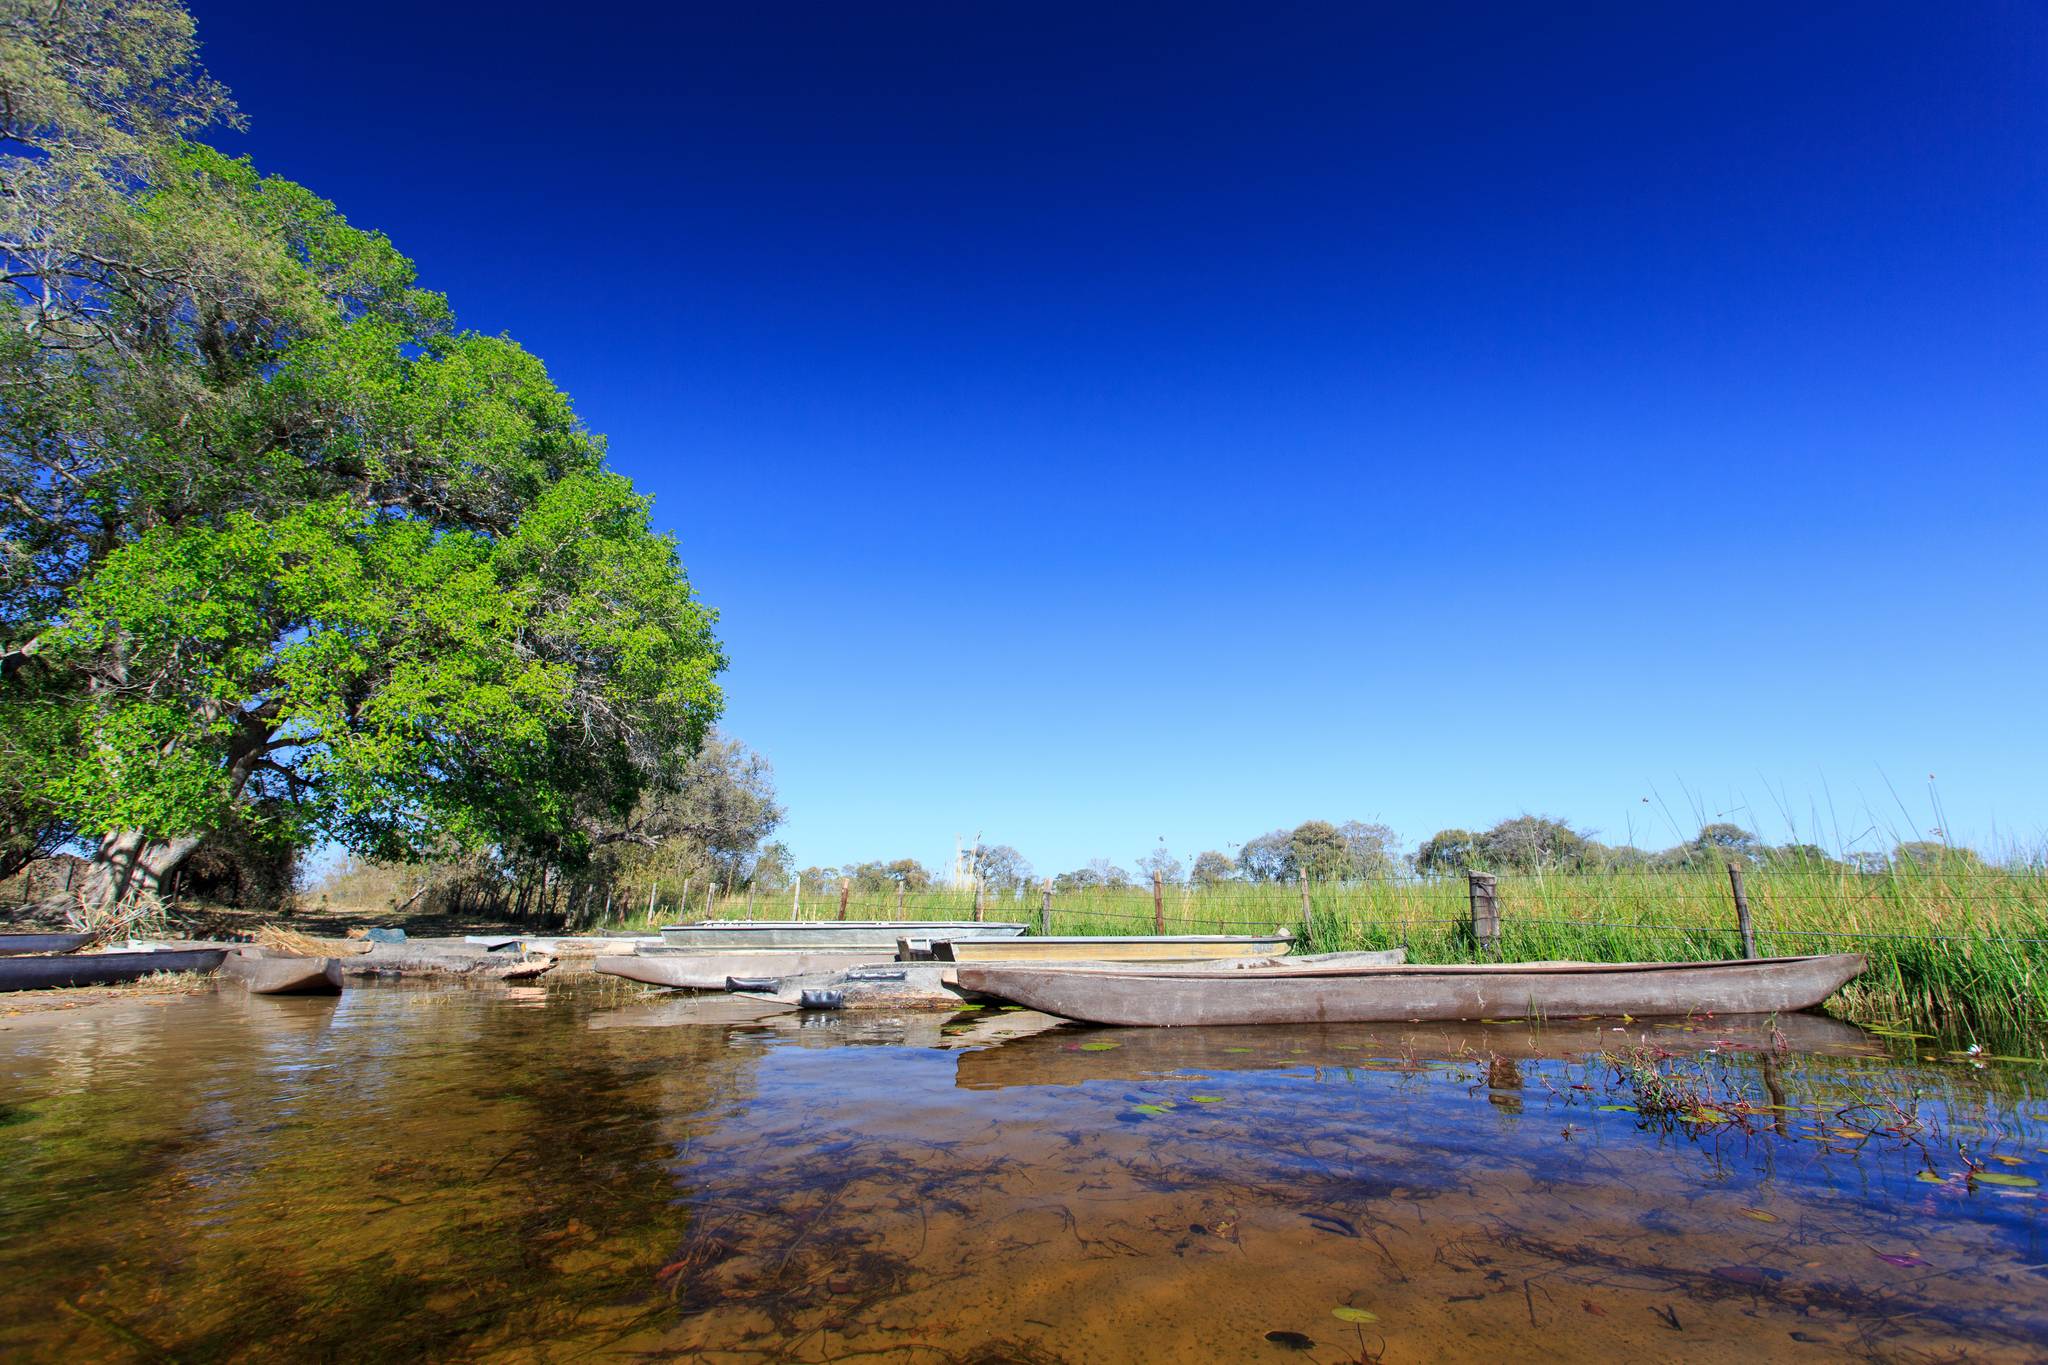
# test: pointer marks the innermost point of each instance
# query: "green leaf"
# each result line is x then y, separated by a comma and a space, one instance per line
1347, 1314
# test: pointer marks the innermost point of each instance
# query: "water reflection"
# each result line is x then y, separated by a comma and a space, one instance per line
465, 1173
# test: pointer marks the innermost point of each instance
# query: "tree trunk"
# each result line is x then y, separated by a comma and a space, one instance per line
129, 867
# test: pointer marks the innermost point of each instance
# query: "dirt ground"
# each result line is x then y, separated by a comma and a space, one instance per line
197, 920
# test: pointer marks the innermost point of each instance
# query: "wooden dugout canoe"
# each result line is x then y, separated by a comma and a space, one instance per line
829, 935
17, 944
1113, 948
708, 971
881, 986
1522, 990
101, 969
14, 945
280, 974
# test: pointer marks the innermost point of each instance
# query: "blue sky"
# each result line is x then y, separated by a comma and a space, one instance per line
1098, 424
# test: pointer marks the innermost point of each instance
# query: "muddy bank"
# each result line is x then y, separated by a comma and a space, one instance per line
167, 988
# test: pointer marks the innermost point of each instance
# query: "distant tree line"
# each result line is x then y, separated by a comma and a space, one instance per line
1324, 851
1538, 843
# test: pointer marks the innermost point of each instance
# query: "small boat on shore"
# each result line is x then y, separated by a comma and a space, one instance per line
1112, 947
871, 934
15, 945
1371, 957
881, 986
707, 971
280, 974
1349, 994
101, 969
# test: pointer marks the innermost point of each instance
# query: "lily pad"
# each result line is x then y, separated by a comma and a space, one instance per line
1345, 1313
1930, 1178
2017, 1182
1618, 1109
1148, 1109
1206, 1099
1100, 1047
1246, 1049
1760, 1215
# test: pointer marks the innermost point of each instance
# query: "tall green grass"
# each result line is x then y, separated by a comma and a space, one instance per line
1960, 949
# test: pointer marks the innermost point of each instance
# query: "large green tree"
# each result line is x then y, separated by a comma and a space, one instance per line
279, 544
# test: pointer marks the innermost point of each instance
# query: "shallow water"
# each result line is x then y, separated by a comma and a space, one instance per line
553, 1174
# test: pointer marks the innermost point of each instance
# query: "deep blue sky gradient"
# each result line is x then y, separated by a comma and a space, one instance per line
1098, 423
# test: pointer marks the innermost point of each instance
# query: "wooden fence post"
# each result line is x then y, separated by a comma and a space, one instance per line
1485, 909
1307, 915
1045, 909
977, 900
1742, 911
1158, 903
796, 898
899, 899
652, 892
607, 907
750, 901
845, 890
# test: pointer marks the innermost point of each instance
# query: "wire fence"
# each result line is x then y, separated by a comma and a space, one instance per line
2007, 908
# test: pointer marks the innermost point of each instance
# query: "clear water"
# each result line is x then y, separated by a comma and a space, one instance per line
571, 1173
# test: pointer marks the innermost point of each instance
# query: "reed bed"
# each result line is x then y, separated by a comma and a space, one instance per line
1960, 949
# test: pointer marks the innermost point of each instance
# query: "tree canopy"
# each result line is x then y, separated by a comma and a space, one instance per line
1161, 864
283, 547
1000, 867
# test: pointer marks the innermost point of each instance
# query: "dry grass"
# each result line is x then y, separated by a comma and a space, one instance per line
156, 988
278, 938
